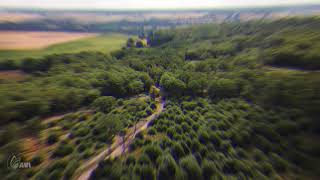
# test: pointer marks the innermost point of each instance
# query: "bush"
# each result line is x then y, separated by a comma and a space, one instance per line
152, 131
56, 174
70, 169
36, 160
144, 160
130, 160
153, 151
147, 173
280, 164
104, 104
63, 150
286, 128
191, 168
203, 137
208, 169
177, 151
168, 168
52, 138
223, 88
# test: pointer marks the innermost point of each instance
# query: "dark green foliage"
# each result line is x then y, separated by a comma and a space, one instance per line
130, 43
52, 138
153, 152
223, 88
63, 150
147, 173
36, 160
208, 169
104, 104
190, 168
279, 163
177, 151
70, 169
160, 37
168, 168
171, 84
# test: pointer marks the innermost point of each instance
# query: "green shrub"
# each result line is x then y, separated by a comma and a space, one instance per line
208, 169
153, 151
203, 137
177, 151
152, 131
63, 150
144, 160
52, 138
168, 169
223, 88
147, 173
280, 164
36, 160
104, 104
70, 169
130, 160
286, 128
56, 174
191, 168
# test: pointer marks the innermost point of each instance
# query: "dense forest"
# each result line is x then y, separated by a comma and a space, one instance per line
242, 102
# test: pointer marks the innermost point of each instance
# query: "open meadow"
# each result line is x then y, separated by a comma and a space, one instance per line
38, 44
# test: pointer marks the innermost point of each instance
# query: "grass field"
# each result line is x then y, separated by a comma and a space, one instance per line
102, 43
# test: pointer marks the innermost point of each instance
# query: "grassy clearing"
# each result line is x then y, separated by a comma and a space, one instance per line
102, 43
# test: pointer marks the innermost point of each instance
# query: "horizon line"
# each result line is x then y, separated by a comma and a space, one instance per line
158, 9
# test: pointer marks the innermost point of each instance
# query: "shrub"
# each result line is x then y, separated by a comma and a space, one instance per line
177, 151
286, 128
279, 163
36, 160
153, 151
148, 111
191, 168
152, 131
223, 88
168, 168
70, 169
203, 137
130, 160
104, 104
147, 173
63, 150
144, 160
56, 174
208, 169
52, 138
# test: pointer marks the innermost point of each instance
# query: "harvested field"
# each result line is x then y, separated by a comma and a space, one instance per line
20, 40
101, 43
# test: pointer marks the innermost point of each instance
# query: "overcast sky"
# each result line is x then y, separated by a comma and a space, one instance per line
147, 4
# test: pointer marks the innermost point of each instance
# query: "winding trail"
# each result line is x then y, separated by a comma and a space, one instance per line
119, 146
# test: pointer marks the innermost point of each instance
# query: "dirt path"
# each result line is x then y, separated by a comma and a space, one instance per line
118, 147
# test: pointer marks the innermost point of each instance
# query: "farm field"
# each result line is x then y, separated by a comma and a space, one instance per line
56, 43
21, 40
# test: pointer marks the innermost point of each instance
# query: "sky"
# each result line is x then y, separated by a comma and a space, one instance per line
148, 4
